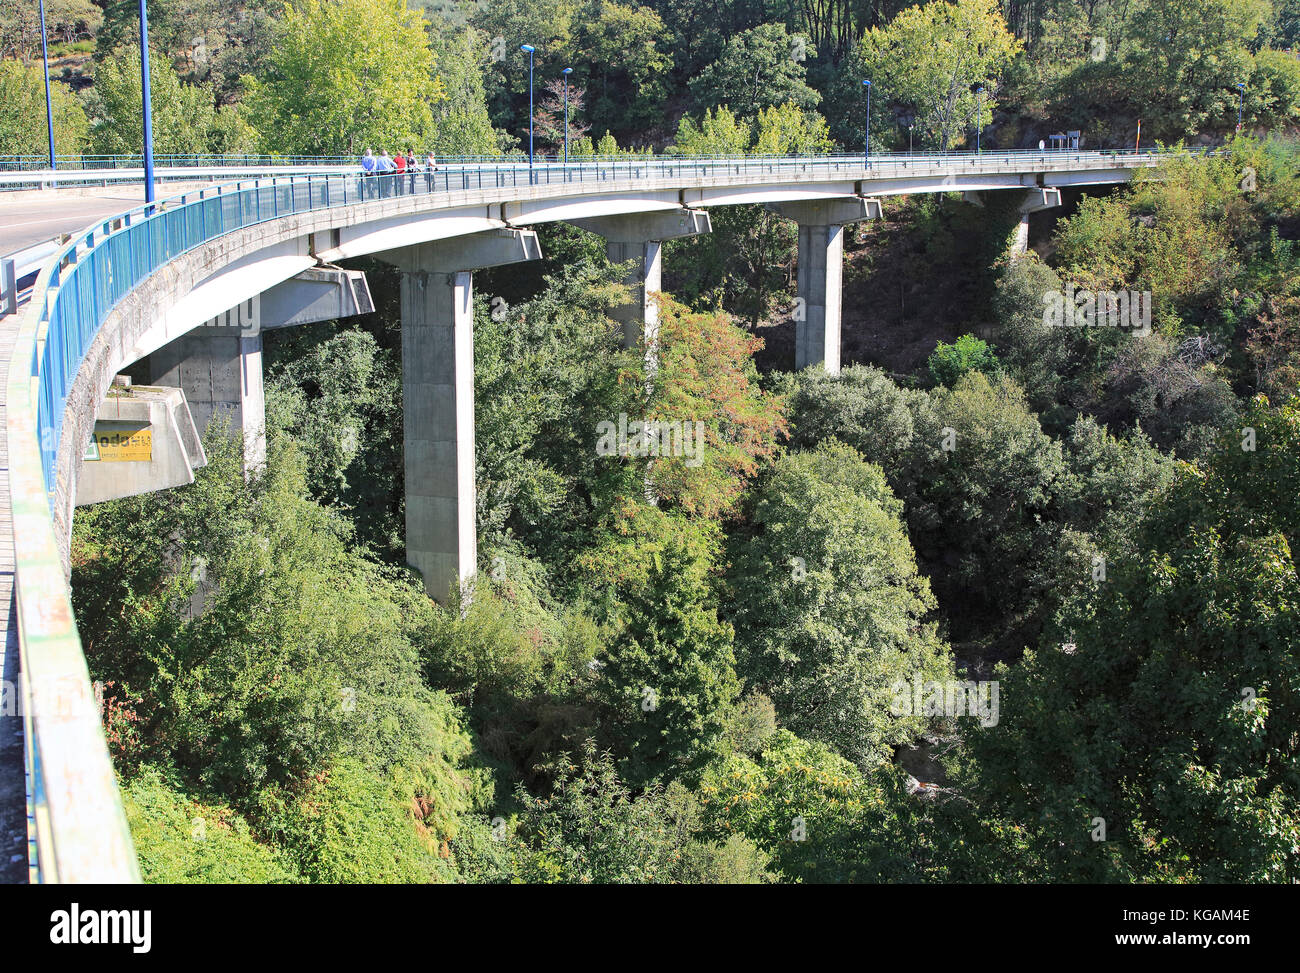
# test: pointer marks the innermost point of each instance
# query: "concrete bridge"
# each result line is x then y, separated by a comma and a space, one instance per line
178, 294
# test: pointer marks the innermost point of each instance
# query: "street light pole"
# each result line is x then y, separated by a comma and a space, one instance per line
528, 49
1241, 92
866, 141
566, 73
979, 116
49, 105
148, 105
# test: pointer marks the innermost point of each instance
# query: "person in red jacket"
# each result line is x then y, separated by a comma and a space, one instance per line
399, 163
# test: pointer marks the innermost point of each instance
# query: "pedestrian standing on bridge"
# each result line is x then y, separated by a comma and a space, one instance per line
399, 164
430, 167
385, 169
411, 166
367, 169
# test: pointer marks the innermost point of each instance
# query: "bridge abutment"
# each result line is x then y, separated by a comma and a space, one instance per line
438, 399
820, 274
219, 367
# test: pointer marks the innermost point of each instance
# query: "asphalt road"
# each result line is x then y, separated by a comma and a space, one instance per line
34, 219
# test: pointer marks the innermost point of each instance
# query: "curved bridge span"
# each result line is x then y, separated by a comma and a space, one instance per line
186, 286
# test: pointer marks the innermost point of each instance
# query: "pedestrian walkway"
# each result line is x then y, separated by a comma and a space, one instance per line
13, 788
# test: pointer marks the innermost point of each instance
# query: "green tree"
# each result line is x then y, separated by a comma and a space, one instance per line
593, 829
618, 60
948, 362
757, 69
1184, 62
667, 675
828, 605
22, 114
344, 76
927, 62
1170, 713
820, 818
461, 123
186, 119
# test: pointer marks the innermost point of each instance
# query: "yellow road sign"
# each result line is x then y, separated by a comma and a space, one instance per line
120, 442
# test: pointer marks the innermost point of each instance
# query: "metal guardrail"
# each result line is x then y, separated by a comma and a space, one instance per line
268, 161
17, 267
11, 181
81, 829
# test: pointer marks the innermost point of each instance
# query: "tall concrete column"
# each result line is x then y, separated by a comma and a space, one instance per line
639, 237
820, 274
438, 399
219, 367
1037, 199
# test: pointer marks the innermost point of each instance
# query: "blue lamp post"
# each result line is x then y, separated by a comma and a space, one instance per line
50, 107
566, 72
866, 141
979, 116
528, 49
148, 106
1241, 93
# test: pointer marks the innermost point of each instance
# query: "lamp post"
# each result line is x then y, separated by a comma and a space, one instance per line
528, 49
979, 116
49, 105
866, 141
1241, 93
148, 106
566, 72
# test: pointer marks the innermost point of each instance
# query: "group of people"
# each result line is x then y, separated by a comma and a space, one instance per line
403, 163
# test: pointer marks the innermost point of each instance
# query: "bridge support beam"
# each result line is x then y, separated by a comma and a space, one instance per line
219, 367
438, 398
820, 271
639, 237
1036, 200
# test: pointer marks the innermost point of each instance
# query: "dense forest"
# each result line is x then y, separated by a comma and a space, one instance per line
1001, 602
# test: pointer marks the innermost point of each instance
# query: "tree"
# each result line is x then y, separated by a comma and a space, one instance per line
718, 133
550, 115
829, 606
948, 362
461, 123
66, 20
186, 119
22, 114
757, 69
820, 818
1185, 60
667, 675
927, 62
344, 76
618, 61
710, 423
1170, 715
594, 829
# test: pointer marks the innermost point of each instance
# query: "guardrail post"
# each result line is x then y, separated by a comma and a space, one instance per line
9, 288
